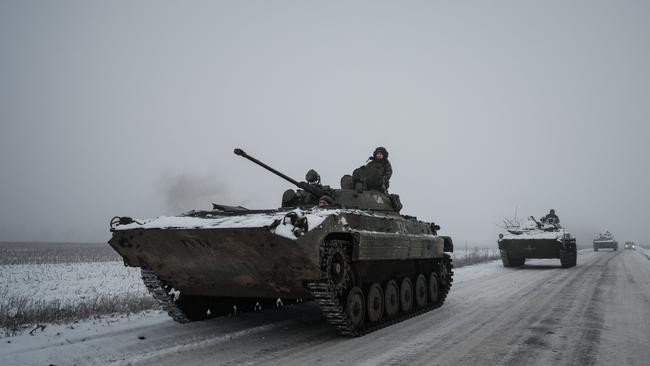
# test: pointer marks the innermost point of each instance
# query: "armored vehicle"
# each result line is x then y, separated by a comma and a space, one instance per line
630, 245
365, 264
535, 239
605, 240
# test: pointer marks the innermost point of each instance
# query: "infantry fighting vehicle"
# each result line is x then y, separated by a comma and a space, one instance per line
630, 245
535, 239
605, 240
365, 264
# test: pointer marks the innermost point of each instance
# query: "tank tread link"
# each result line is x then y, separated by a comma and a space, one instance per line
358, 315
160, 292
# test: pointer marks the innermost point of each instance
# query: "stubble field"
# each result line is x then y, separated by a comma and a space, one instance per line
43, 283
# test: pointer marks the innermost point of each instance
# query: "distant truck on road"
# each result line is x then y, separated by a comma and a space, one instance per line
630, 245
605, 241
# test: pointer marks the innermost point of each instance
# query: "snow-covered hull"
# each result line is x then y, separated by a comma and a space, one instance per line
205, 264
230, 262
528, 241
532, 248
605, 244
265, 255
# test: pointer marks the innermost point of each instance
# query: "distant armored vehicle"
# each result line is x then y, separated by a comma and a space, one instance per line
605, 240
537, 240
366, 265
630, 245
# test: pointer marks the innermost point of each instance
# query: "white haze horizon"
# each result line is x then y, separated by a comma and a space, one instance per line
134, 109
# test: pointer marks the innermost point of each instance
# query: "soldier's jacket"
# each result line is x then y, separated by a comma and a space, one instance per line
551, 219
383, 167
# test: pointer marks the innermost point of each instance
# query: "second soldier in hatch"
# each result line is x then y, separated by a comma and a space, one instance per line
551, 218
379, 161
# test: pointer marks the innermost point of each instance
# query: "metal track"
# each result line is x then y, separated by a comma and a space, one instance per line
329, 301
160, 291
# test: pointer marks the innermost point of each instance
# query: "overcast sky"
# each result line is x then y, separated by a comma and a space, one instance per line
134, 107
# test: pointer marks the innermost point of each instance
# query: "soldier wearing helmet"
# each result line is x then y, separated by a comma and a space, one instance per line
379, 161
325, 201
551, 218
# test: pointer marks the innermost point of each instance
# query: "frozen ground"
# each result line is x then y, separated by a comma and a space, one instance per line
65, 282
40, 253
595, 313
69, 283
464, 257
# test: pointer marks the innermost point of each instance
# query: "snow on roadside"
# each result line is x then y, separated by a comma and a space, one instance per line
466, 257
69, 282
32, 294
54, 335
644, 251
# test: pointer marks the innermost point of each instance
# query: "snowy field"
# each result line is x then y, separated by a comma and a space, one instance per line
39, 253
65, 283
465, 257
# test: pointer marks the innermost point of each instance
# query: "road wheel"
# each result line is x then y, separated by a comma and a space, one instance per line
375, 303
434, 288
337, 266
406, 295
420, 291
356, 306
444, 274
391, 299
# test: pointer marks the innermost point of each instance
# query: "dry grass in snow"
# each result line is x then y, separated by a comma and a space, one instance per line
66, 284
465, 257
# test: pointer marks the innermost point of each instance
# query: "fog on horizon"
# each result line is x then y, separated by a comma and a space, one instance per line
486, 108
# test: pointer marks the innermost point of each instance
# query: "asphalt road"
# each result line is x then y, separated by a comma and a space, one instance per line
595, 313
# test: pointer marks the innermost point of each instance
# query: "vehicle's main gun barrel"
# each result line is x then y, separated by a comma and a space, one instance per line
536, 222
307, 187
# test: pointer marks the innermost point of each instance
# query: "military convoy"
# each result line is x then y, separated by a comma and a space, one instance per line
535, 239
605, 241
365, 264
349, 250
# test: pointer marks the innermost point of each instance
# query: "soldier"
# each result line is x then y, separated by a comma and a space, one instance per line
551, 218
325, 201
379, 161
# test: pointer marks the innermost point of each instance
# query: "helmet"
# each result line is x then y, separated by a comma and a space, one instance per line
552, 211
312, 177
327, 199
382, 150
